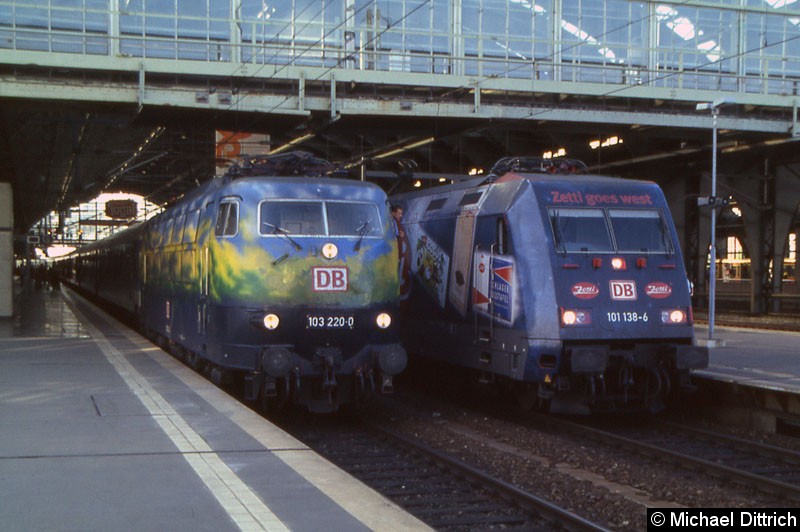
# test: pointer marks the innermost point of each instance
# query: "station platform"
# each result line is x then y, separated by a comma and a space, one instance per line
100, 430
753, 377
752, 356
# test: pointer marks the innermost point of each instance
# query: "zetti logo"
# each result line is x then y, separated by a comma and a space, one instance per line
658, 290
623, 290
585, 290
329, 279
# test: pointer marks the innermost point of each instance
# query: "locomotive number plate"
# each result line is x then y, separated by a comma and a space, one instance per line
329, 322
627, 317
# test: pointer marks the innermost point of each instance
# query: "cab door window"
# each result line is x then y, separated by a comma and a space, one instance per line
227, 219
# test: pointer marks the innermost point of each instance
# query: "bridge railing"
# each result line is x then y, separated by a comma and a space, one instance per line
29, 26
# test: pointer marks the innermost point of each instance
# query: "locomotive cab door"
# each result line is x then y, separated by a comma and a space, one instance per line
204, 278
481, 298
484, 306
202, 311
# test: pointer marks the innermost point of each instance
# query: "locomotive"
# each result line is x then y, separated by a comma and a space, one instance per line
288, 282
566, 288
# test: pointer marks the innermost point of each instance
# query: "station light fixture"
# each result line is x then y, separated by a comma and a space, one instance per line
605, 143
406, 147
291, 143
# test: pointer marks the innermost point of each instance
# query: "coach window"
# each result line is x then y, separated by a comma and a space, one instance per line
177, 231
158, 236
167, 235
190, 229
227, 218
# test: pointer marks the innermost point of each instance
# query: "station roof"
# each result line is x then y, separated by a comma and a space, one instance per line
58, 153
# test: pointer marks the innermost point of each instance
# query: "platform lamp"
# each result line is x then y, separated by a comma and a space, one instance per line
713, 202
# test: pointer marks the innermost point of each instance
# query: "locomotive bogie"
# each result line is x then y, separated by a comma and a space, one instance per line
572, 286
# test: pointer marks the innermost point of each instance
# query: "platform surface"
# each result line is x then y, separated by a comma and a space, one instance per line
102, 431
754, 357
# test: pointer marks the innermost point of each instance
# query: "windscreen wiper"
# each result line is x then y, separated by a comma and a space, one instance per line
665, 236
284, 233
362, 230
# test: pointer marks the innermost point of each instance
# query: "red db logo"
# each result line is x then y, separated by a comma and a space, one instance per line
623, 290
329, 279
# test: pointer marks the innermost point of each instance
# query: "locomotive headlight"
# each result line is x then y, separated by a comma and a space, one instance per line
673, 316
571, 317
329, 251
271, 321
383, 320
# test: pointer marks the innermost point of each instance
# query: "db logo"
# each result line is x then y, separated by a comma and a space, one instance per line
623, 290
329, 279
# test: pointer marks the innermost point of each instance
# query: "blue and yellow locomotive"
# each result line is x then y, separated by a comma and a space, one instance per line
288, 282
570, 289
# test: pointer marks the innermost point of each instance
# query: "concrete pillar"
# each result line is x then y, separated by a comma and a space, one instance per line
676, 193
6, 250
787, 193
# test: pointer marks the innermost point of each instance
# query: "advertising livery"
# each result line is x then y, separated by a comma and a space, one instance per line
289, 283
571, 289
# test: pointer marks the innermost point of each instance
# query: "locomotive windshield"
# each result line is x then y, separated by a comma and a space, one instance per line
580, 230
640, 231
610, 230
320, 218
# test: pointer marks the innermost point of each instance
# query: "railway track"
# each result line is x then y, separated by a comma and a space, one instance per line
442, 491
773, 470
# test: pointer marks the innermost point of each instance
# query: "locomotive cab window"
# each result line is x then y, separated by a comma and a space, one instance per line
291, 217
353, 219
501, 236
227, 219
640, 231
580, 230
316, 218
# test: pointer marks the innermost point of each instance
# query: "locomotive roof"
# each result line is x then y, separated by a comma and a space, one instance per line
494, 196
575, 179
288, 187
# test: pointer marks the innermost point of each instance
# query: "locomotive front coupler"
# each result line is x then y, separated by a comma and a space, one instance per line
327, 359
